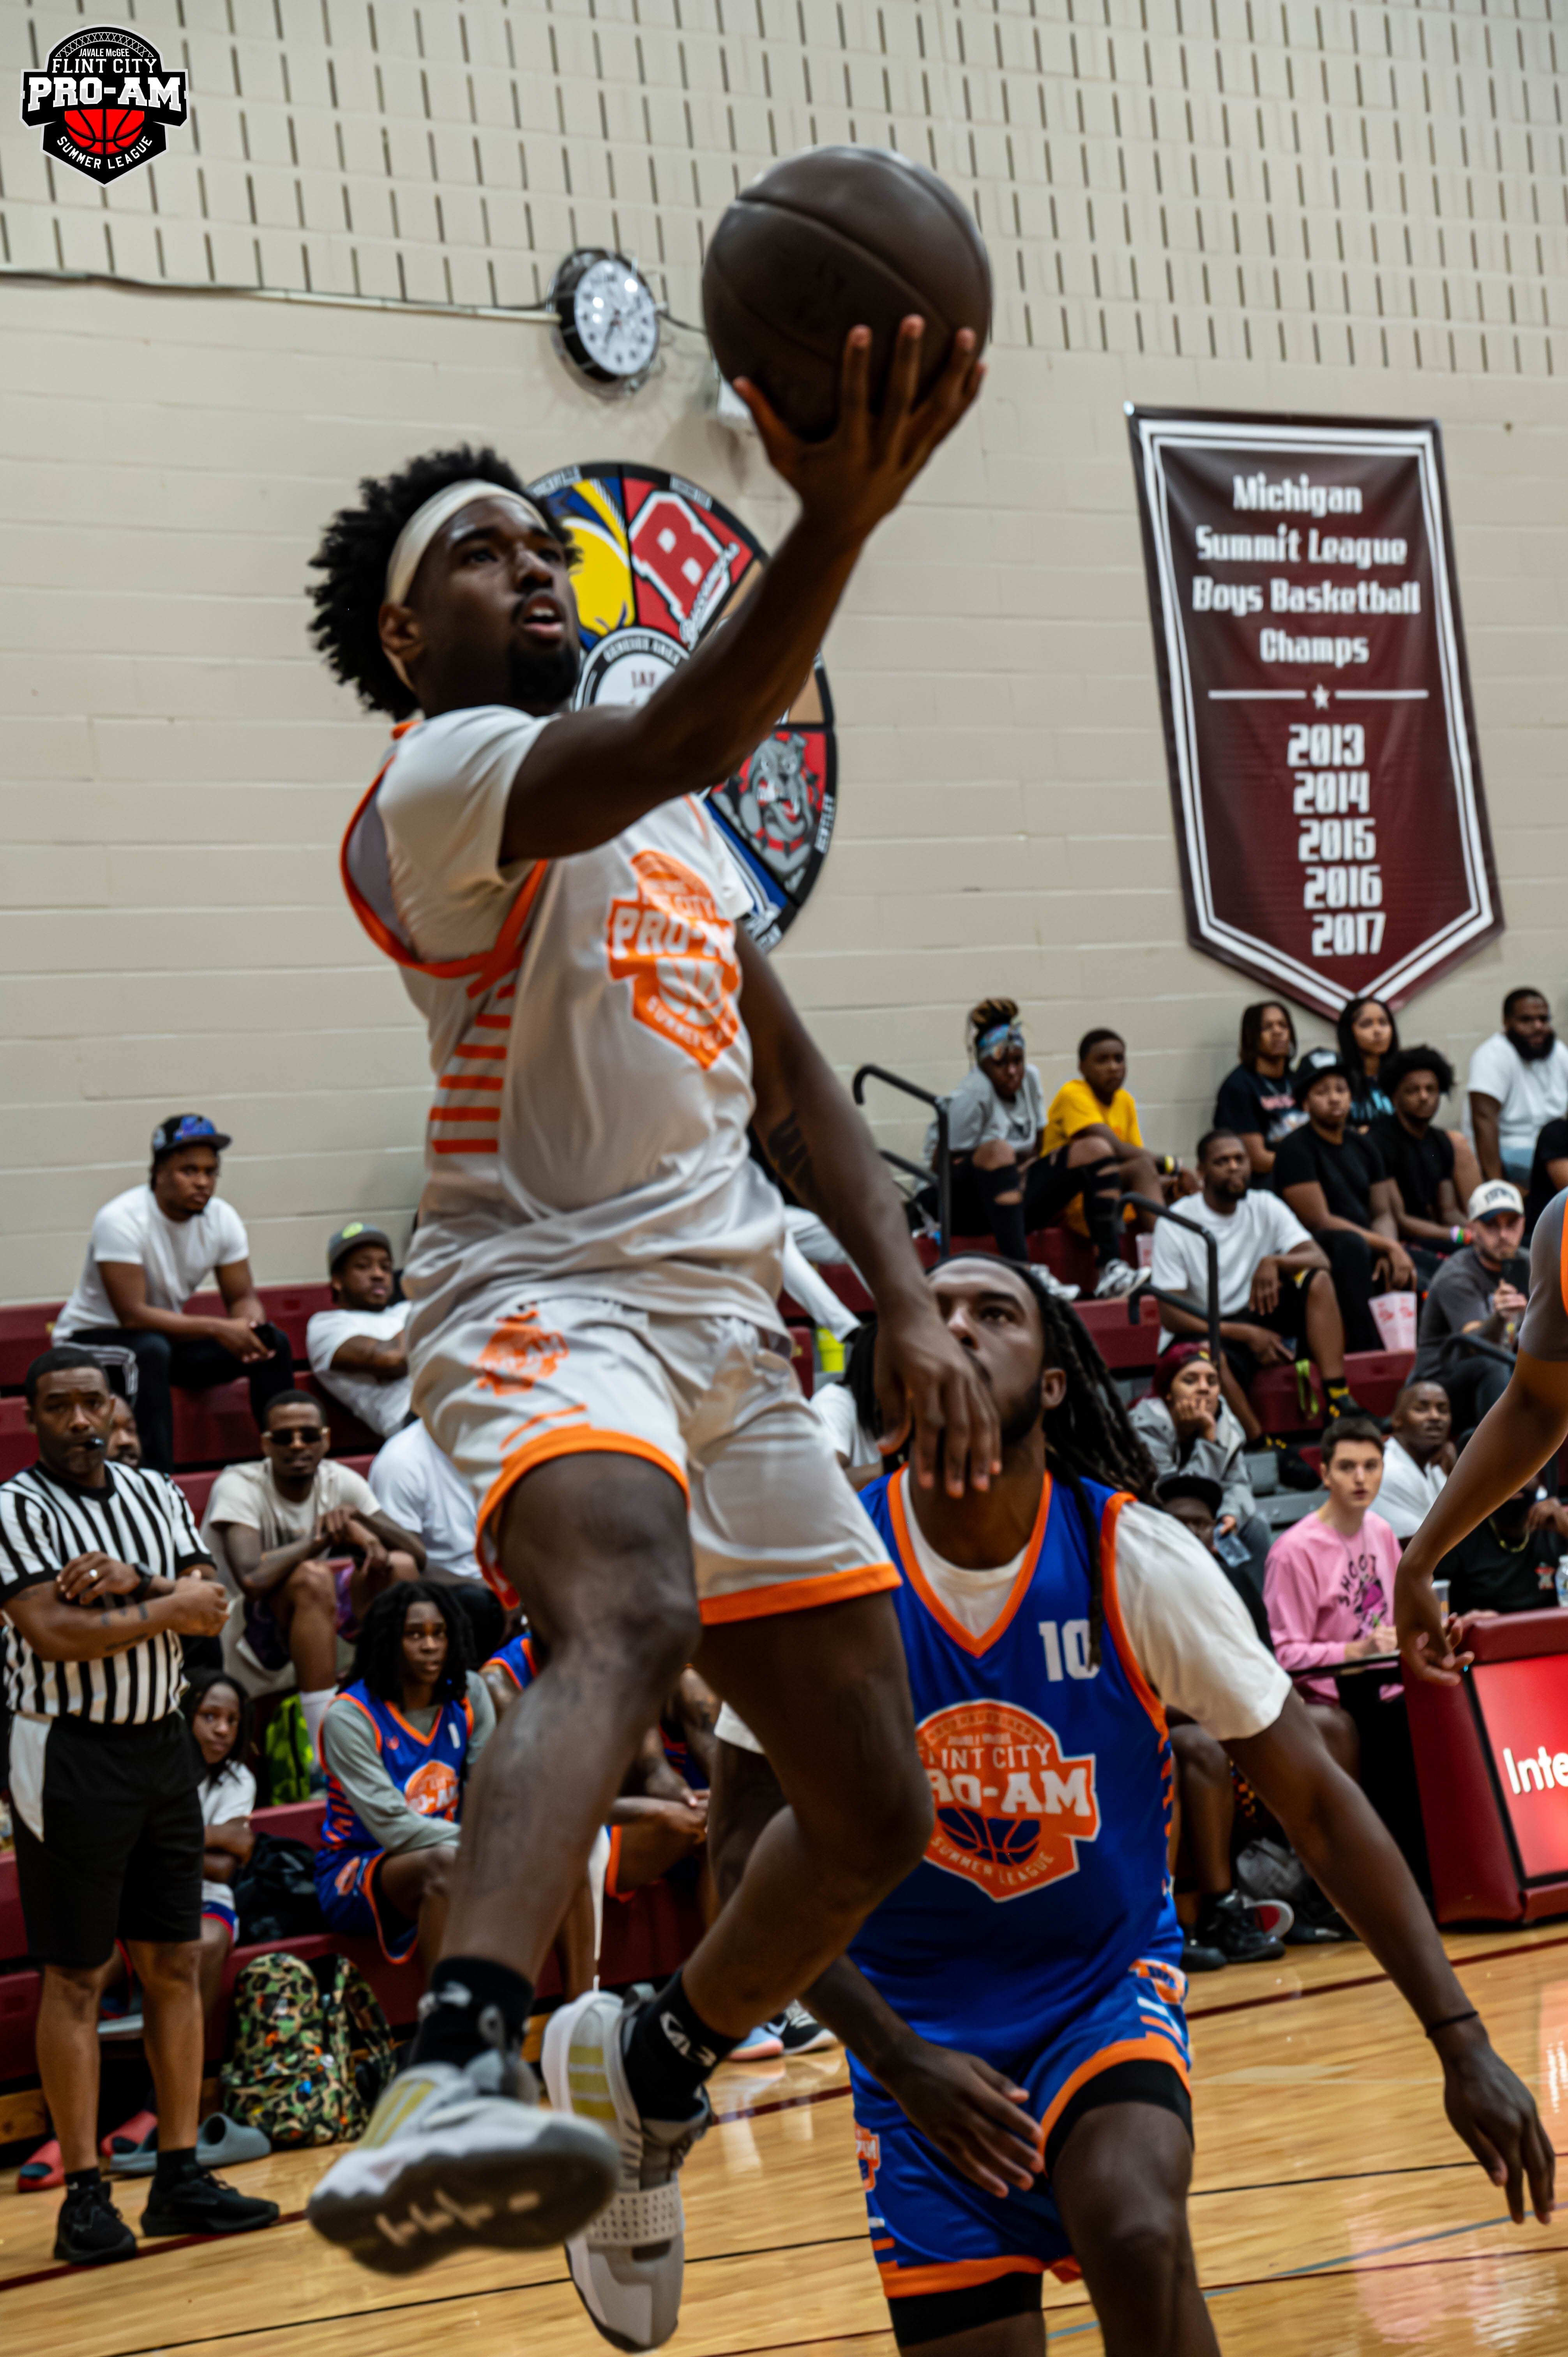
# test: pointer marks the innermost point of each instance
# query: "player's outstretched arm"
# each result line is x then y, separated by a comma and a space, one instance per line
590, 774
1346, 1847
1523, 1432
971, 2112
814, 1138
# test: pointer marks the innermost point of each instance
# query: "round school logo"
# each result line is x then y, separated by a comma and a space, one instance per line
663, 564
1010, 1808
432, 1790
103, 102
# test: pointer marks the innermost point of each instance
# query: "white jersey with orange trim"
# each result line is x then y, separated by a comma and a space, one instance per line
593, 1075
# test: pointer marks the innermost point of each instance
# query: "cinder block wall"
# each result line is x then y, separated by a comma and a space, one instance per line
1337, 209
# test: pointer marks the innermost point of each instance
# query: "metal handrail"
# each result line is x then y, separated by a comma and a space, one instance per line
942, 1174
1210, 1312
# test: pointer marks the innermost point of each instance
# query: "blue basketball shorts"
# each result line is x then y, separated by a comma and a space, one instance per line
347, 1884
935, 2233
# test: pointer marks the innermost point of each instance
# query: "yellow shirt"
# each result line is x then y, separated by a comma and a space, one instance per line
1072, 1108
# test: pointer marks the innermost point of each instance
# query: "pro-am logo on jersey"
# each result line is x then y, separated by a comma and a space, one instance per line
1011, 1809
104, 102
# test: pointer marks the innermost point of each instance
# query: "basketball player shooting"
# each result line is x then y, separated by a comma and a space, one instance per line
595, 1343
1515, 1440
1014, 2011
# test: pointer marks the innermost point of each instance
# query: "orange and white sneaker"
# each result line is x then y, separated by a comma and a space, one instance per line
629, 2263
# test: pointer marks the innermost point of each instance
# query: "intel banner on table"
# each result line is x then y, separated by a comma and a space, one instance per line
1324, 767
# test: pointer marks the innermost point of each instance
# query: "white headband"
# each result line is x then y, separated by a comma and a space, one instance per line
426, 522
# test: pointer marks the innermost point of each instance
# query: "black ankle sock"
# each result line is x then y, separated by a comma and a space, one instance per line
669, 2053
173, 2167
471, 2004
77, 2180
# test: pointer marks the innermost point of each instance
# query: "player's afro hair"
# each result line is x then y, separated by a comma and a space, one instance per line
354, 556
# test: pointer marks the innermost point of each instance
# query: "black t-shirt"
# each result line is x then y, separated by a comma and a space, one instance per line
1369, 1101
1487, 1575
1418, 1164
1347, 1172
1550, 1146
1249, 1101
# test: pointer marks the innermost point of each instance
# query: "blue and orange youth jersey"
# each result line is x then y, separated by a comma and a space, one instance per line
516, 1658
1045, 1879
427, 1769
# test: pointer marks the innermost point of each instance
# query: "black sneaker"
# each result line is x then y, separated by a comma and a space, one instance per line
1295, 1473
1318, 1922
799, 2033
91, 2232
1195, 1957
201, 2203
1228, 1923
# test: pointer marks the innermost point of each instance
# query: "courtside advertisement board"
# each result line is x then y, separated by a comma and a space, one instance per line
1324, 769
1522, 1706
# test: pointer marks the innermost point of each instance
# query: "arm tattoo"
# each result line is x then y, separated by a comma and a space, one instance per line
792, 1157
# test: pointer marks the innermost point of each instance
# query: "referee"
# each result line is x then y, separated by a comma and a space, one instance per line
100, 1570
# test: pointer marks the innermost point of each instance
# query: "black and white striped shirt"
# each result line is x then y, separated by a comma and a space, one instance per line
138, 1517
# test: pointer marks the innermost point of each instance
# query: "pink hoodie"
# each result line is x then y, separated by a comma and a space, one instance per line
1322, 1589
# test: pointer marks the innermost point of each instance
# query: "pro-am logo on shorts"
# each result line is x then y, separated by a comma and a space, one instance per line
1011, 1809
104, 102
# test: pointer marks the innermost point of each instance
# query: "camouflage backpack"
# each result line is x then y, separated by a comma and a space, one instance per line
291, 2072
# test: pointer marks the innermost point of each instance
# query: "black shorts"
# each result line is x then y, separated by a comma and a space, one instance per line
109, 1836
1287, 1318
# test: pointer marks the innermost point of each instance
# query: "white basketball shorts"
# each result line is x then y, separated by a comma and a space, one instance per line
511, 1382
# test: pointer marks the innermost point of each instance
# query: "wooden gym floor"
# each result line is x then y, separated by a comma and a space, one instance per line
1333, 2210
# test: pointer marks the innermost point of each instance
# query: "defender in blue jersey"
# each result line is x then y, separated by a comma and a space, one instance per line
1013, 2008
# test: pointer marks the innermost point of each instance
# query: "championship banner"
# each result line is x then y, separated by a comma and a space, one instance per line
1324, 769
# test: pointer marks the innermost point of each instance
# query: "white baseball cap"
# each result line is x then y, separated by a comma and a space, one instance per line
1492, 1196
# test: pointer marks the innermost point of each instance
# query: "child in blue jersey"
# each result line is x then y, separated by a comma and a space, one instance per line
398, 1744
1013, 2008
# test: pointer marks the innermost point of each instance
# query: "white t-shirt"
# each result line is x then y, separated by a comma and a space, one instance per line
223, 1799
834, 1405
1528, 1095
601, 1136
1409, 1490
1187, 1626
248, 1494
1259, 1226
418, 1485
178, 1255
383, 1406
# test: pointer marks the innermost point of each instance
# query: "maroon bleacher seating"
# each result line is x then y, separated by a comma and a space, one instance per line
646, 1937
1375, 1378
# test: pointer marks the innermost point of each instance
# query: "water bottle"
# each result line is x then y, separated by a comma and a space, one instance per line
1560, 1581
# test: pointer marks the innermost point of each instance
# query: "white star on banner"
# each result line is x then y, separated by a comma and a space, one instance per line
1320, 699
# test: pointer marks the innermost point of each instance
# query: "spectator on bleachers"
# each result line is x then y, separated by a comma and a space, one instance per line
1413, 1456
107, 1825
1335, 1181
219, 1713
1367, 1036
1099, 1105
1330, 1582
1256, 1102
398, 1744
359, 1349
150, 1249
1420, 1156
1223, 1929
1548, 1172
125, 1440
276, 1528
416, 1485
1518, 1082
1509, 1563
851, 1412
1187, 1427
1480, 1290
1277, 1295
1001, 1182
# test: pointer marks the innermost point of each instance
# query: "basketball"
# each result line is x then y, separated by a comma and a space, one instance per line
105, 130
1005, 1841
835, 239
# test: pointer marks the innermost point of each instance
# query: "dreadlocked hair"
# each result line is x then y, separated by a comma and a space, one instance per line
1089, 1436
860, 1379
981, 1019
354, 553
378, 1656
